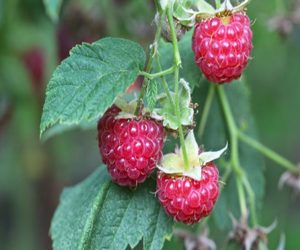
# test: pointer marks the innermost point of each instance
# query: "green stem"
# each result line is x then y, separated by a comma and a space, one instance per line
268, 152
158, 7
242, 198
206, 109
177, 59
234, 156
177, 63
180, 130
164, 83
158, 74
228, 171
251, 195
232, 131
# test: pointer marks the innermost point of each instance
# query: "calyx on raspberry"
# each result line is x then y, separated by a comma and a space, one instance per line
130, 146
188, 195
173, 163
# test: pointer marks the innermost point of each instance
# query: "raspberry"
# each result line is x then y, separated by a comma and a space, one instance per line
222, 46
130, 148
186, 199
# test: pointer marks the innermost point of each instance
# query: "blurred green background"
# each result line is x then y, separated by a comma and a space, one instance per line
32, 174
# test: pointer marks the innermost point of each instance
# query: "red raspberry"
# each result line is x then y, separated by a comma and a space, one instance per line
222, 46
130, 148
186, 199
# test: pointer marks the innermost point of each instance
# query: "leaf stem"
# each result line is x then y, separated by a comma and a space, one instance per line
164, 83
268, 152
177, 64
206, 109
158, 74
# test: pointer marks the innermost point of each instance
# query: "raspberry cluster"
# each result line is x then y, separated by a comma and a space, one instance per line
222, 46
186, 199
131, 148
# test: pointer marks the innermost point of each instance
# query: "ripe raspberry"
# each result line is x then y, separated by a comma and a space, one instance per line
222, 46
130, 148
186, 199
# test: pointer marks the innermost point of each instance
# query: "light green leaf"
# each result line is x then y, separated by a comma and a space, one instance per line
151, 94
89, 81
97, 214
203, 6
53, 8
171, 163
166, 110
165, 3
208, 156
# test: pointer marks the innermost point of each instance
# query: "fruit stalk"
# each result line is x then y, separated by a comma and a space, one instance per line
177, 64
234, 160
206, 109
164, 82
158, 74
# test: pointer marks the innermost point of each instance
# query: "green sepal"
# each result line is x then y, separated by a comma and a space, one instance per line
165, 112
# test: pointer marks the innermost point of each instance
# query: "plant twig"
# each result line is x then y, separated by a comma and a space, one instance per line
234, 156
177, 63
158, 74
268, 152
206, 109
164, 83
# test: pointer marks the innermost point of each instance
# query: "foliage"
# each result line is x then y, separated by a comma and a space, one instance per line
93, 72
97, 214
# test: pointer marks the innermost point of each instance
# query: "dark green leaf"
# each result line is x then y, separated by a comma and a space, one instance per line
53, 8
88, 82
97, 214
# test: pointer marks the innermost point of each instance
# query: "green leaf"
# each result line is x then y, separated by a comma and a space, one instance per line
97, 214
89, 81
53, 8
166, 109
151, 94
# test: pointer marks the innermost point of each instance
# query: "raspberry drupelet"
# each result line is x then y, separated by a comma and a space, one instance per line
222, 46
188, 200
130, 148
